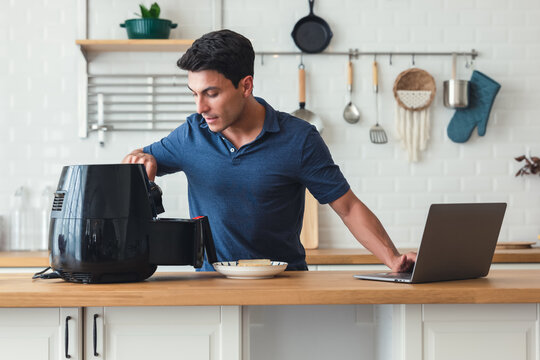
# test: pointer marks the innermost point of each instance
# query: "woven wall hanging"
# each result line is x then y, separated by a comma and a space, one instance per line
414, 91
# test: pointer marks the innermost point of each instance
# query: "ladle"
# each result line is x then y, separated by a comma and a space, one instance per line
351, 114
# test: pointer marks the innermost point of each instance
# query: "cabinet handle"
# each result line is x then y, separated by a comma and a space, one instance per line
67, 337
95, 335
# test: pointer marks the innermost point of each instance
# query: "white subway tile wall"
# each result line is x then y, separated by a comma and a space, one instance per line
39, 92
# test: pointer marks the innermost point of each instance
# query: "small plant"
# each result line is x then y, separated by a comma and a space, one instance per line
152, 13
149, 25
532, 165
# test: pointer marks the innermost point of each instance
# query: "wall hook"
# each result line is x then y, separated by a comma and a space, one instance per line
390, 59
412, 58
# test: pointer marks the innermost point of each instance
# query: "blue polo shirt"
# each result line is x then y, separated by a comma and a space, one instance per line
253, 196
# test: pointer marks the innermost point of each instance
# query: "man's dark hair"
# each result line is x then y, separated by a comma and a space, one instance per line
224, 51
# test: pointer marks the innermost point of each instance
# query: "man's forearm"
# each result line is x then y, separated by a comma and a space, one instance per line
369, 232
366, 228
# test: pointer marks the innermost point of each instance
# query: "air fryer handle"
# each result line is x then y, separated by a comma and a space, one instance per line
208, 240
155, 198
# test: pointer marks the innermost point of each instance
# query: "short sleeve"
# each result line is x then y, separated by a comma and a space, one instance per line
319, 173
169, 151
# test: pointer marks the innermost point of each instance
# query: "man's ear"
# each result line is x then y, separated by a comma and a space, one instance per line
246, 84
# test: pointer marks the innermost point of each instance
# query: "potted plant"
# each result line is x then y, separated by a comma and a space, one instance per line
531, 167
149, 26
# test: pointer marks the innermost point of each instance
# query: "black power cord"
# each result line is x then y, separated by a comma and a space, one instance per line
42, 275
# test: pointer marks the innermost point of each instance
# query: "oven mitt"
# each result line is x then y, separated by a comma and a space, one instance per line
482, 92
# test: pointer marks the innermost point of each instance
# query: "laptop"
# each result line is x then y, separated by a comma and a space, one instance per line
458, 243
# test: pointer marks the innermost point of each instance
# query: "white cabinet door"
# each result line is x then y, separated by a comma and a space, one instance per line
185, 332
489, 331
40, 333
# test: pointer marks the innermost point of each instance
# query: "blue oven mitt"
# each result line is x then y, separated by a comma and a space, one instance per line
482, 92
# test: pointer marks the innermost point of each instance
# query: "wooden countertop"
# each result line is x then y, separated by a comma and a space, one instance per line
289, 288
24, 259
313, 257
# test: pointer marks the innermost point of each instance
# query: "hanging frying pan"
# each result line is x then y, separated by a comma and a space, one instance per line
311, 33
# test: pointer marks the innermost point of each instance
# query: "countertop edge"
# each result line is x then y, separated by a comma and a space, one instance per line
290, 288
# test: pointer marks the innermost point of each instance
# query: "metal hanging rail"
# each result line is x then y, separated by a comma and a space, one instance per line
106, 94
355, 53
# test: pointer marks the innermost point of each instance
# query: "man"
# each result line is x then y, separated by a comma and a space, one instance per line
248, 165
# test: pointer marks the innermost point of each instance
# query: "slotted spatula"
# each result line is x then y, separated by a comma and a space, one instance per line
377, 135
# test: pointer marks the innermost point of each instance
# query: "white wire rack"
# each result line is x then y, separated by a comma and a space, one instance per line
137, 102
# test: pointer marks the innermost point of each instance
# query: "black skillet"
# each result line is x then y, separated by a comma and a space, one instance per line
311, 33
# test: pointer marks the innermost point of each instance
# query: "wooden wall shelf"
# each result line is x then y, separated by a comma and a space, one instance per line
98, 46
170, 45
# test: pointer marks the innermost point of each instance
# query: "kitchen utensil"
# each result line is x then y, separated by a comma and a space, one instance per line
311, 33
414, 90
351, 114
309, 237
377, 134
104, 227
455, 92
231, 270
302, 112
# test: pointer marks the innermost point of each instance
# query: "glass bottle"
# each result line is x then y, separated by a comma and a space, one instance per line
45, 207
3, 236
19, 214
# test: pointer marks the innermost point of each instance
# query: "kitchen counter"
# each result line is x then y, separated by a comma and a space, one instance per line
24, 258
361, 256
313, 257
289, 288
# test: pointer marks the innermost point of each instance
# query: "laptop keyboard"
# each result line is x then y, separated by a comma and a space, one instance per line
396, 275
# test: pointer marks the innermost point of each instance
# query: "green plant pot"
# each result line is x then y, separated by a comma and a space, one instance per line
148, 28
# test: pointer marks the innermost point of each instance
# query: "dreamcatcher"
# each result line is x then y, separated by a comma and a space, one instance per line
414, 91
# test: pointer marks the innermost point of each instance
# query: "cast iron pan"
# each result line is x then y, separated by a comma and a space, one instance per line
311, 33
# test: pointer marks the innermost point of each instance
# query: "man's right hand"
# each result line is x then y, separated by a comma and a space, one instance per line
140, 157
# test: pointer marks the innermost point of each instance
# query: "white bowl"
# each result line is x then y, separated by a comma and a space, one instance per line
231, 270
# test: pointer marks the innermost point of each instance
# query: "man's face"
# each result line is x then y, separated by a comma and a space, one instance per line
217, 100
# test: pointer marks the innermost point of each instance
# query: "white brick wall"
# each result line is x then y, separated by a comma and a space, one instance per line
38, 98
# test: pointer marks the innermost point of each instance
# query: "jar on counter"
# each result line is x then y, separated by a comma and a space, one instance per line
3, 236
19, 239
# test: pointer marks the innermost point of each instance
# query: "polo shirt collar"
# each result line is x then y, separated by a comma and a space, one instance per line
271, 123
